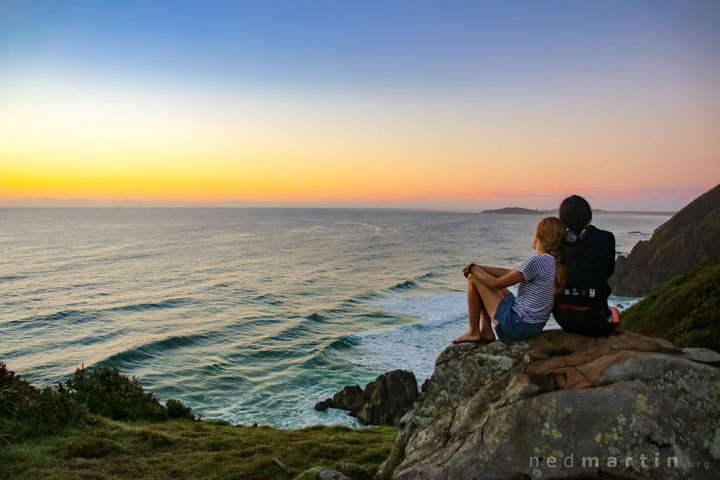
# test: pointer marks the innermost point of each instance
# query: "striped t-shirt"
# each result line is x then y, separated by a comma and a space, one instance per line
536, 294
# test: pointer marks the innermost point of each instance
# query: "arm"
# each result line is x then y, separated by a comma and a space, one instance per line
512, 277
494, 271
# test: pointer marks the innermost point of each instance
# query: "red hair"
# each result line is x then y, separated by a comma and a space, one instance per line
550, 232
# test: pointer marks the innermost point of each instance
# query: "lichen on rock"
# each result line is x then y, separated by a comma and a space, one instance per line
563, 406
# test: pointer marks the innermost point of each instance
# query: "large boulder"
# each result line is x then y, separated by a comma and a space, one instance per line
350, 398
353, 470
564, 406
321, 473
685, 242
383, 401
388, 398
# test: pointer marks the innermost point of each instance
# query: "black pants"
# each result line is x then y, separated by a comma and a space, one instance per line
592, 323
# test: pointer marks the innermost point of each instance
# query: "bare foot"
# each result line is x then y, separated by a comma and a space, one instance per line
473, 337
487, 336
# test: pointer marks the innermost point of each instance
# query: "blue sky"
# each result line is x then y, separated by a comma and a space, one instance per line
327, 43
540, 72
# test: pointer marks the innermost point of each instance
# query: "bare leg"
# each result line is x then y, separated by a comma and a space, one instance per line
490, 298
495, 272
486, 330
479, 328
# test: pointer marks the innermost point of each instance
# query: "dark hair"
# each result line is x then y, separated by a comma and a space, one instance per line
575, 213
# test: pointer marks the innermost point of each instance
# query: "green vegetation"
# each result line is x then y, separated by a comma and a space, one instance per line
686, 310
107, 393
107, 449
103, 425
26, 411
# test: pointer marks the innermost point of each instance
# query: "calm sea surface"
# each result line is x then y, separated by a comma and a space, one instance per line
250, 315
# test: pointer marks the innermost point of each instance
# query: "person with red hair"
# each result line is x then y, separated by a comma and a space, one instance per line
539, 279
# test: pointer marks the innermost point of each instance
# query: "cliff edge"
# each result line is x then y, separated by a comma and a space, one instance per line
682, 244
686, 310
564, 406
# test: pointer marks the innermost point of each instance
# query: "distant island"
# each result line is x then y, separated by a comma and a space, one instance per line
530, 211
517, 211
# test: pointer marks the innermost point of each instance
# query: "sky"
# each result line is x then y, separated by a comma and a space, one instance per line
460, 105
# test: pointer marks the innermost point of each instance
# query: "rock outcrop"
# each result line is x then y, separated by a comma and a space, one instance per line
564, 406
353, 470
685, 242
350, 398
321, 473
383, 401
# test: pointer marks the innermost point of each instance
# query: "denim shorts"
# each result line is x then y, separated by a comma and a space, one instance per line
510, 326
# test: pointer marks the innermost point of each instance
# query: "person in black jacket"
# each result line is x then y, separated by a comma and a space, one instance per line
588, 255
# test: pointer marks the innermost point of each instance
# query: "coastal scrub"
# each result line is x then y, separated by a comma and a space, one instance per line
686, 310
103, 425
27, 411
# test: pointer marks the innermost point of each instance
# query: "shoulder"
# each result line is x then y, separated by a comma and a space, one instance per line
546, 260
539, 260
537, 266
594, 235
602, 236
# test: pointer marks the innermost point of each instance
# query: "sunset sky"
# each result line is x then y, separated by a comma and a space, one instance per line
450, 105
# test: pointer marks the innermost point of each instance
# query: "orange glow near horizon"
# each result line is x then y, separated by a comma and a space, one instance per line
373, 103
110, 144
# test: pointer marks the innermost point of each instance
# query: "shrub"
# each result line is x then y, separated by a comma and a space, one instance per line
176, 409
26, 411
686, 310
107, 393
13, 391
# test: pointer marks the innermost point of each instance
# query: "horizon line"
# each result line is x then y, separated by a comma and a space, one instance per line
491, 211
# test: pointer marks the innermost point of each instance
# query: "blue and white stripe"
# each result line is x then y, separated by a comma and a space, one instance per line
536, 294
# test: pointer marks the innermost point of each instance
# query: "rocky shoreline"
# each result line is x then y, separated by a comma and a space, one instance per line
563, 406
559, 405
382, 402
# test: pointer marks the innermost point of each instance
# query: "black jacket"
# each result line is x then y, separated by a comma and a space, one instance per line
588, 262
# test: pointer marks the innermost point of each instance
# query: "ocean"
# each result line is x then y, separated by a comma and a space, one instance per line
249, 315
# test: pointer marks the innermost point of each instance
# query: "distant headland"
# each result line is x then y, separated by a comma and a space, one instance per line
530, 211
518, 211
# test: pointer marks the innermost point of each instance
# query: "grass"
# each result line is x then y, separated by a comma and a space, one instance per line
187, 449
686, 310
101, 424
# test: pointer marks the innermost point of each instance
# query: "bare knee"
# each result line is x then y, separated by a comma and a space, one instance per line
477, 284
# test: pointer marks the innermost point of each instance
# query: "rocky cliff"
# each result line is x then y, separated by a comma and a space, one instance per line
564, 406
685, 242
